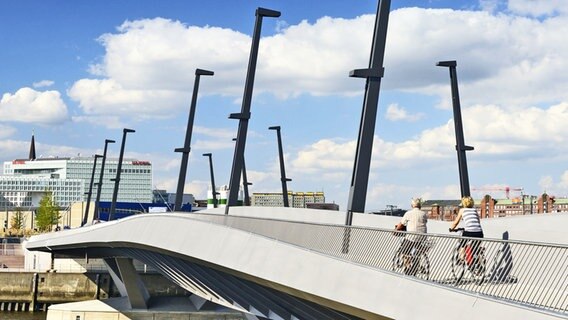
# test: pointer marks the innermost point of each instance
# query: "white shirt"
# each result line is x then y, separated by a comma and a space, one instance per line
415, 220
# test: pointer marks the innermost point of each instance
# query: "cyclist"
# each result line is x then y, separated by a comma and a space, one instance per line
472, 225
415, 221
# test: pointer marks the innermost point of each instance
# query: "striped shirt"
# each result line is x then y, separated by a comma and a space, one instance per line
471, 220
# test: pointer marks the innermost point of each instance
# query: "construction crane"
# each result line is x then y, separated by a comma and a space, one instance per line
507, 190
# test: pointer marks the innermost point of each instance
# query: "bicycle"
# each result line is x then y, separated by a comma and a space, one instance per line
411, 258
468, 255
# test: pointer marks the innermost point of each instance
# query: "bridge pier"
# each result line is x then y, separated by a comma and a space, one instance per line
128, 282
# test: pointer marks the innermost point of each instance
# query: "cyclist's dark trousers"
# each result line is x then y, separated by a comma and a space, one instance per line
474, 244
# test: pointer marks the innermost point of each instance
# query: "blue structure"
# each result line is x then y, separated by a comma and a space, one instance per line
126, 209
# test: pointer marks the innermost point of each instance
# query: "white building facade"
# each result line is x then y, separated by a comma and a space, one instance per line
295, 199
69, 179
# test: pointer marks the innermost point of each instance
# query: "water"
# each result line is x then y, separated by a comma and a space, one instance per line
4, 315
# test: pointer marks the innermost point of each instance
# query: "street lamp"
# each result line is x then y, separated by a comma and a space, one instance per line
187, 142
118, 169
461, 148
283, 178
85, 217
244, 115
100, 183
213, 189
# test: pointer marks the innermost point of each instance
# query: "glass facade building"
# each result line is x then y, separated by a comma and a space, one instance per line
69, 179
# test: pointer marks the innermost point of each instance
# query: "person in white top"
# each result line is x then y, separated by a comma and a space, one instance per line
472, 225
415, 221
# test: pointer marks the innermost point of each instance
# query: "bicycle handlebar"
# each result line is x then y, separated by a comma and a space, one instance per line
456, 229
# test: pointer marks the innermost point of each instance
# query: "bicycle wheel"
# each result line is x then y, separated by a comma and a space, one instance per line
478, 269
423, 271
458, 265
398, 262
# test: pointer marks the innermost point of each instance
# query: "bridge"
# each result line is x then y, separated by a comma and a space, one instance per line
284, 263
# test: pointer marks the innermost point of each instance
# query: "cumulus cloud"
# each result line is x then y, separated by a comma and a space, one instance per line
538, 8
148, 66
495, 132
43, 83
6, 131
28, 105
397, 113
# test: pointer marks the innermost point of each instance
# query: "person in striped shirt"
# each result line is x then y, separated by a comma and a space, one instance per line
472, 225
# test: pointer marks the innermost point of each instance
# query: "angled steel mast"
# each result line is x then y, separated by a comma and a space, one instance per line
461, 148
90, 193
96, 216
283, 178
187, 142
244, 115
373, 75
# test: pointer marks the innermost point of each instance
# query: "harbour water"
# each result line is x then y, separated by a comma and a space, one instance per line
4, 315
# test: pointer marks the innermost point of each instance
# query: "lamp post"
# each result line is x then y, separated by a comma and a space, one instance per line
213, 189
187, 143
246, 183
461, 148
100, 183
244, 115
283, 178
118, 169
373, 75
86, 216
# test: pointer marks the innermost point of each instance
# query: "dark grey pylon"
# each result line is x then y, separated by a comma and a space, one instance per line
283, 178
213, 188
118, 171
244, 115
187, 142
96, 216
246, 183
89, 194
461, 148
373, 75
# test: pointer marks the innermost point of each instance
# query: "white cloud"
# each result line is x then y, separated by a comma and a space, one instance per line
397, 113
43, 83
112, 122
6, 131
149, 64
538, 7
28, 105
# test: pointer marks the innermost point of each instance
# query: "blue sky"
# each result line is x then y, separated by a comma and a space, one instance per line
76, 73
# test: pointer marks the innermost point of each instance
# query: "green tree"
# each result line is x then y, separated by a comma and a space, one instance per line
48, 213
18, 220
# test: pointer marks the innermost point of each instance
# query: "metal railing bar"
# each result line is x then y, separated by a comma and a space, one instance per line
564, 285
548, 290
533, 278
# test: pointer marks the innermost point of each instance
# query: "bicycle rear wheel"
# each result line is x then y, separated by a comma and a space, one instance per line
423, 271
478, 269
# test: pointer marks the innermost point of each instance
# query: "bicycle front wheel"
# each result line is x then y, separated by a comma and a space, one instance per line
458, 266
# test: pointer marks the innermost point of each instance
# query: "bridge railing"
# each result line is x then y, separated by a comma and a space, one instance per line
534, 275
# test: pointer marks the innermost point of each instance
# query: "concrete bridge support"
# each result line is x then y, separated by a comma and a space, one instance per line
128, 282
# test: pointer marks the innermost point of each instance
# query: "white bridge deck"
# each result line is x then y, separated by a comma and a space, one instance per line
296, 265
